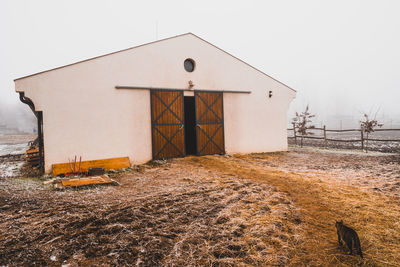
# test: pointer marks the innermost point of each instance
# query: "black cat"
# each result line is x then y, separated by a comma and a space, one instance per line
350, 237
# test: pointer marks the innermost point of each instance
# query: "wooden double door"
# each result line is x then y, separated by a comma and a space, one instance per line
171, 120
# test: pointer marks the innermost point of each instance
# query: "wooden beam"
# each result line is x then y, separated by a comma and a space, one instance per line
107, 164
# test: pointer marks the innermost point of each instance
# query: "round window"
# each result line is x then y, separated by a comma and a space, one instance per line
189, 65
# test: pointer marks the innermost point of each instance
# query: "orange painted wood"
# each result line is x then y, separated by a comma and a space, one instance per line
30, 151
107, 164
32, 156
85, 181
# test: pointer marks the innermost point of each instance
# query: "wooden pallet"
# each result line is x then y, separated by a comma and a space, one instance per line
32, 156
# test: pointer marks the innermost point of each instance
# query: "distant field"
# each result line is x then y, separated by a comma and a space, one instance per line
15, 143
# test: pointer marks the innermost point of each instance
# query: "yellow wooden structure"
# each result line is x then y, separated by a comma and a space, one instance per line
107, 164
75, 182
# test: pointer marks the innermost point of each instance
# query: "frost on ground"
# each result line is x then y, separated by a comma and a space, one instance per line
257, 209
10, 168
12, 154
372, 171
173, 214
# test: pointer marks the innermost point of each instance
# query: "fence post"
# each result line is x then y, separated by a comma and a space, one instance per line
362, 139
325, 142
294, 133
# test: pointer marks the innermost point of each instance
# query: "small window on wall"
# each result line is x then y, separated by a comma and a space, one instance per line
189, 65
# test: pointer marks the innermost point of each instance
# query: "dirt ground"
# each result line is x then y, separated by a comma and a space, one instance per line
372, 171
12, 153
254, 210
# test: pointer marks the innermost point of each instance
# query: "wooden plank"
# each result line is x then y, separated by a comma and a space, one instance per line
107, 164
30, 151
86, 181
81, 181
383, 140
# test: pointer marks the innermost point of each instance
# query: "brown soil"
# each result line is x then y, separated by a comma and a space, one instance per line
178, 213
258, 209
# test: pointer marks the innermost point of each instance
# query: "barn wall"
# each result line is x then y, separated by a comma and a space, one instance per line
85, 115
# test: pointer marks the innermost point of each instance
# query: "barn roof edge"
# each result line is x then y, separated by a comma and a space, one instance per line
133, 47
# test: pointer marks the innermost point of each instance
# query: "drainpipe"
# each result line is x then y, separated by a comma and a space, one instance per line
27, 101
39, 117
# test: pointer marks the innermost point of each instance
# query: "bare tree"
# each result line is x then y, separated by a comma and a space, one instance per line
302, 122
368, 126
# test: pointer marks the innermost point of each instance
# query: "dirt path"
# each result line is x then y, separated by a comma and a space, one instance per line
374, 215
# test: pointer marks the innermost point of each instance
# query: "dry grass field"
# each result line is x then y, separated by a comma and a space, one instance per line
240, 210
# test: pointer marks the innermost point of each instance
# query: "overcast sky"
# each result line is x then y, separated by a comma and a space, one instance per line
342, 57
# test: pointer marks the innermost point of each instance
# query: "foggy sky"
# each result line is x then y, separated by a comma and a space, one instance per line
342, 57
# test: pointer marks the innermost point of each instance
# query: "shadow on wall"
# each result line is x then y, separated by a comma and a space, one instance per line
16, 117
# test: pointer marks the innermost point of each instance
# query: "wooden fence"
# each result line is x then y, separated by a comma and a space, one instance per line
362, 137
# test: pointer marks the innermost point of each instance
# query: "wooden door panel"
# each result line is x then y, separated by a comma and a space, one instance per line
160, 101
210, 139
167, 124
209, 123
209, 106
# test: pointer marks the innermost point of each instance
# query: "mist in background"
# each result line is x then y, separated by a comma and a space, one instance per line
342, 57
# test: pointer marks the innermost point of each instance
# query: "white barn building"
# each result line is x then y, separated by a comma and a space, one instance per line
169, 98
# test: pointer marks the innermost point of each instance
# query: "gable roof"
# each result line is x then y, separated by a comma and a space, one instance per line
177, 36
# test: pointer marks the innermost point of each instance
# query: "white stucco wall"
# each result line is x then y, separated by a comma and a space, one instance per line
85, 115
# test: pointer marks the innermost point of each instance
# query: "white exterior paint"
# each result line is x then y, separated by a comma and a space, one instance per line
84, 115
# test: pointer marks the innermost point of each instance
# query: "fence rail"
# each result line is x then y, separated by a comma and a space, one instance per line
362, 138
347, 130
380, 130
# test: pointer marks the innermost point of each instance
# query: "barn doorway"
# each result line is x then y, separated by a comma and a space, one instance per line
190, 126
186, 125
